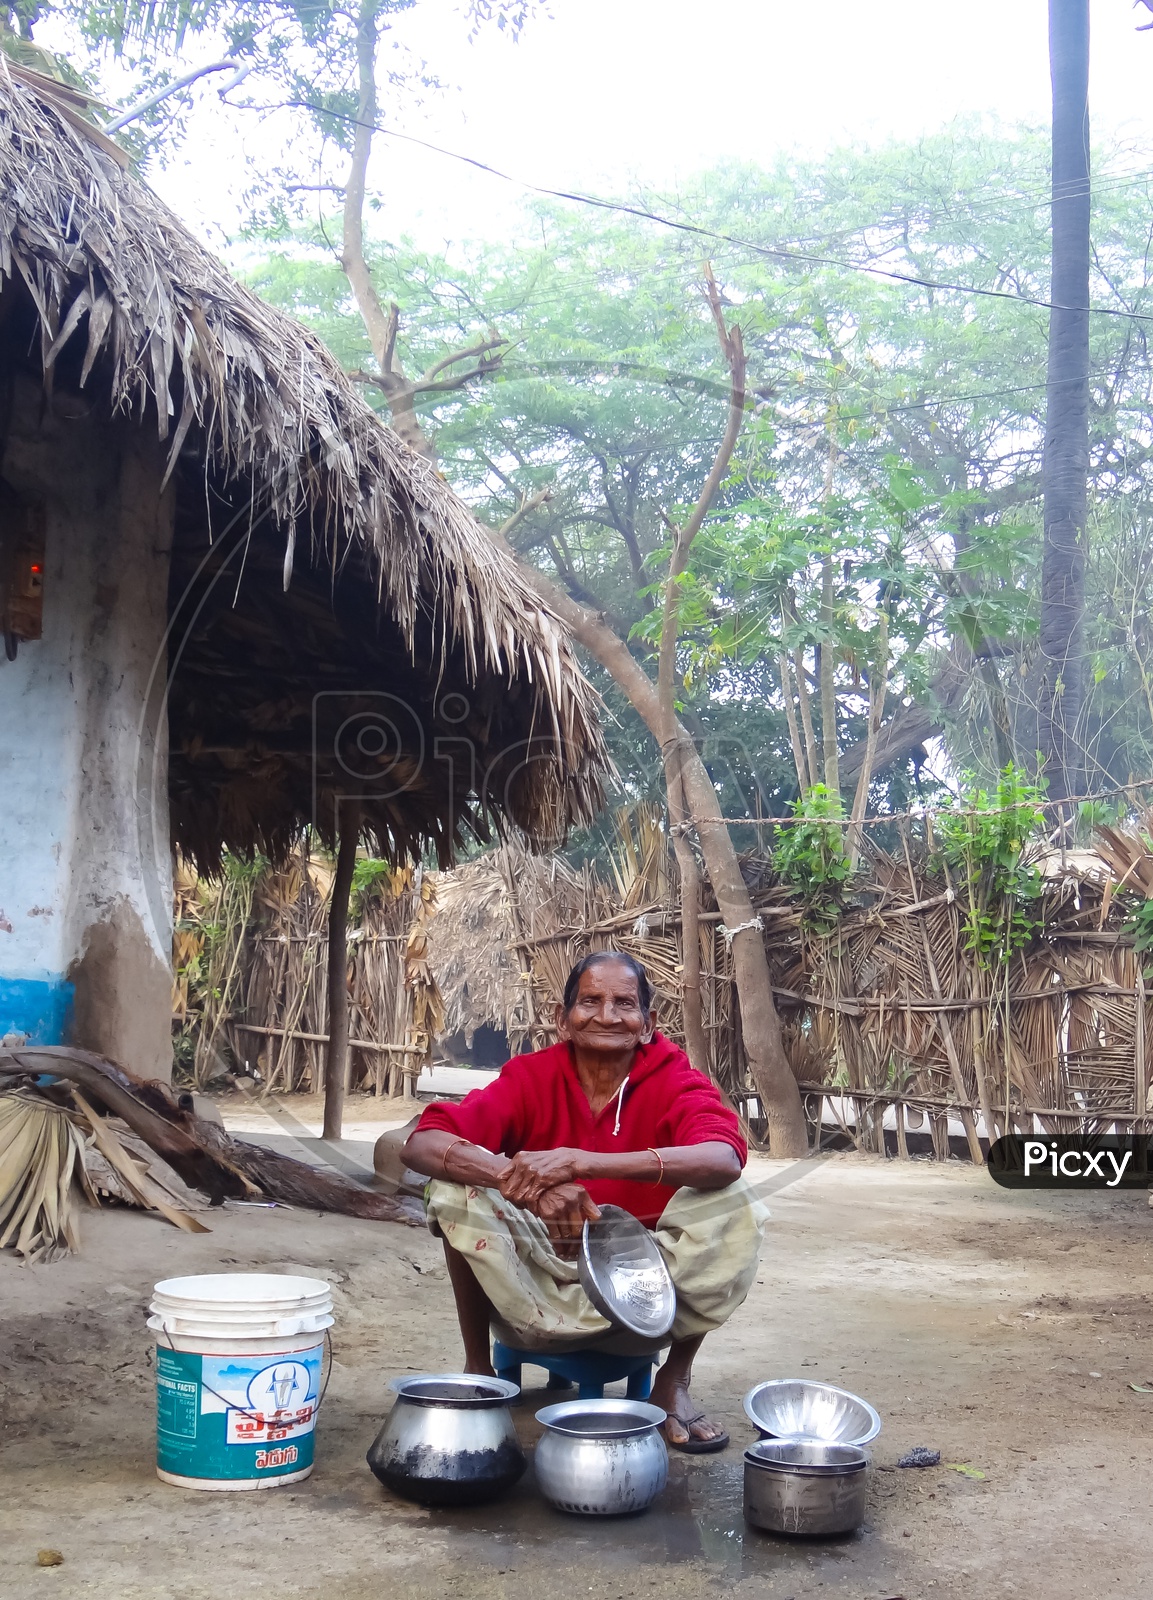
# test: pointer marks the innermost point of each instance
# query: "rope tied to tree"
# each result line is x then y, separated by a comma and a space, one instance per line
742, 927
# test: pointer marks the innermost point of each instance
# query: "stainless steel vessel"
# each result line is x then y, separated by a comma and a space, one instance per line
449, 1440
803, 1487
798, 1408
601, 1457
624, 1274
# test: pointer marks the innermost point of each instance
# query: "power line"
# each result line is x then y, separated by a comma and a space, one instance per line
698, 230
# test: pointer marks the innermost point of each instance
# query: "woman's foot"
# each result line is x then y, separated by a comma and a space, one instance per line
686, 1428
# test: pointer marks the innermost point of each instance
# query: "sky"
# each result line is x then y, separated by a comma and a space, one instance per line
609, 95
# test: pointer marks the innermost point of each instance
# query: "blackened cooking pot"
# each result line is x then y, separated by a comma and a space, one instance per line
449, 1440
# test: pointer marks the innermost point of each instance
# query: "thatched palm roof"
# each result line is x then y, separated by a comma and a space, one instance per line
315, 554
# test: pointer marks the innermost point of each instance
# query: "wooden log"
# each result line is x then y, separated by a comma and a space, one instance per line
204, 1155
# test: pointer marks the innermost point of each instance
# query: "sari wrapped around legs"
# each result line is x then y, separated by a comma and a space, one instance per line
710, 1239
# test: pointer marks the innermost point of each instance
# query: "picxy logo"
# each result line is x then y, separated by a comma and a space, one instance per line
1071, 1161
1074, 1163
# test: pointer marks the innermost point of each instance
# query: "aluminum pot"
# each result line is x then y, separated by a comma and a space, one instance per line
601, 1458
449, 1440
804, 1487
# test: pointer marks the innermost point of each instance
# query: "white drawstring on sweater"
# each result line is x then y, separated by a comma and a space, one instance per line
620, 1102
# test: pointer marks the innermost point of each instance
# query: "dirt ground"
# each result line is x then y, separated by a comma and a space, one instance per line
1003, 1330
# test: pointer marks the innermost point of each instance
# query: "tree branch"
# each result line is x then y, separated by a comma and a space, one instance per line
734, 353
527, 506
450, 385
493, 342
388, 363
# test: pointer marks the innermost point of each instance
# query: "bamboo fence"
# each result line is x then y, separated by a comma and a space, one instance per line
888, 1021
251, 960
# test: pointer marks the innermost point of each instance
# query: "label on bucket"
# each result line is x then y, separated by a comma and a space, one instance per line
236, 1416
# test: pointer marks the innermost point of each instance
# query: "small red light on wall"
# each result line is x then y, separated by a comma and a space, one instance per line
22, 529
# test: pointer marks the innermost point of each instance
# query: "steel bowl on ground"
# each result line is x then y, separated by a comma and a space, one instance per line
803, 1488
795, 1408
624, 1274
601, 1458
449, 1440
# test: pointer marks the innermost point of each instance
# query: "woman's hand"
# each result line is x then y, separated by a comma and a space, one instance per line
564, 1210
531, 1173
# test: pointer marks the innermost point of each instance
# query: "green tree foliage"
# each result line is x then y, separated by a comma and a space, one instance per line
882, 524
303, 57
810, 856
927, 403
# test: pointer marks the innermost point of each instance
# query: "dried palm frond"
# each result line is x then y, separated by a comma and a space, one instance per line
41, 1159
471, 952
134, 1178
1130, 854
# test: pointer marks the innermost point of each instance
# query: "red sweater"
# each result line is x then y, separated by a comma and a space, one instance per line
537, 1103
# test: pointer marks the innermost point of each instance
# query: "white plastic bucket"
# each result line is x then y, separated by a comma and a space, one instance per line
238, 1377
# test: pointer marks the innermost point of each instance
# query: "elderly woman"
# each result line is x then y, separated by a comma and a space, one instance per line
612, 1114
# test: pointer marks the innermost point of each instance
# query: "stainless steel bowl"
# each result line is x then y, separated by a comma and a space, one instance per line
795, 1408
804, 1488
449, 1439
624, 1274
601, 1458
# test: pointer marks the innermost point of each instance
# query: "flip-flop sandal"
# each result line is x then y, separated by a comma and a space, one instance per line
696, 1447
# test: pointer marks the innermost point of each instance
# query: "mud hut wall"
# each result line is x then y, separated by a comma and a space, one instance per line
85, 924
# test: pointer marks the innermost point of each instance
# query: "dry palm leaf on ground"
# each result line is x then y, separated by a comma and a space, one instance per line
133, 1178
203, 1154
41, 1163
154, 1177
51, 1156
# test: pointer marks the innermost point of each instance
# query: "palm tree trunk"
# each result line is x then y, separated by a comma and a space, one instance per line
1066, 455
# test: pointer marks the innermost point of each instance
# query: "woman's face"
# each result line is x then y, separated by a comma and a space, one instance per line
606, 1014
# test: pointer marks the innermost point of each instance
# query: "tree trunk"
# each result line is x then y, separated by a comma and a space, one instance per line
203, 1154
687, 779
805, 703
696, 1040
826, 682
799, 760
380, 325
768, 1065
760, 1025
1065, 465
878, 684
336, 1054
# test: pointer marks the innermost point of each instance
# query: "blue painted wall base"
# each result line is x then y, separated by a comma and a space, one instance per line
41, 1008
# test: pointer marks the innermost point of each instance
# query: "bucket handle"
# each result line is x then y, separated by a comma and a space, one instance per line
252, 1415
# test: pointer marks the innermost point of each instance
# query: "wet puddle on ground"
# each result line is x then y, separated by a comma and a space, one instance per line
698, 1518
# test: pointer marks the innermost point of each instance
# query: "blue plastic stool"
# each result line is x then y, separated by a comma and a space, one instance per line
590, 1370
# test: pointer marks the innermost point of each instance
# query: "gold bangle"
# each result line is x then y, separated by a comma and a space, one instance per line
448, 1152
660, 1178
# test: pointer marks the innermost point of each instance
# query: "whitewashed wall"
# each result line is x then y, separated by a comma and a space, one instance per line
85, 865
